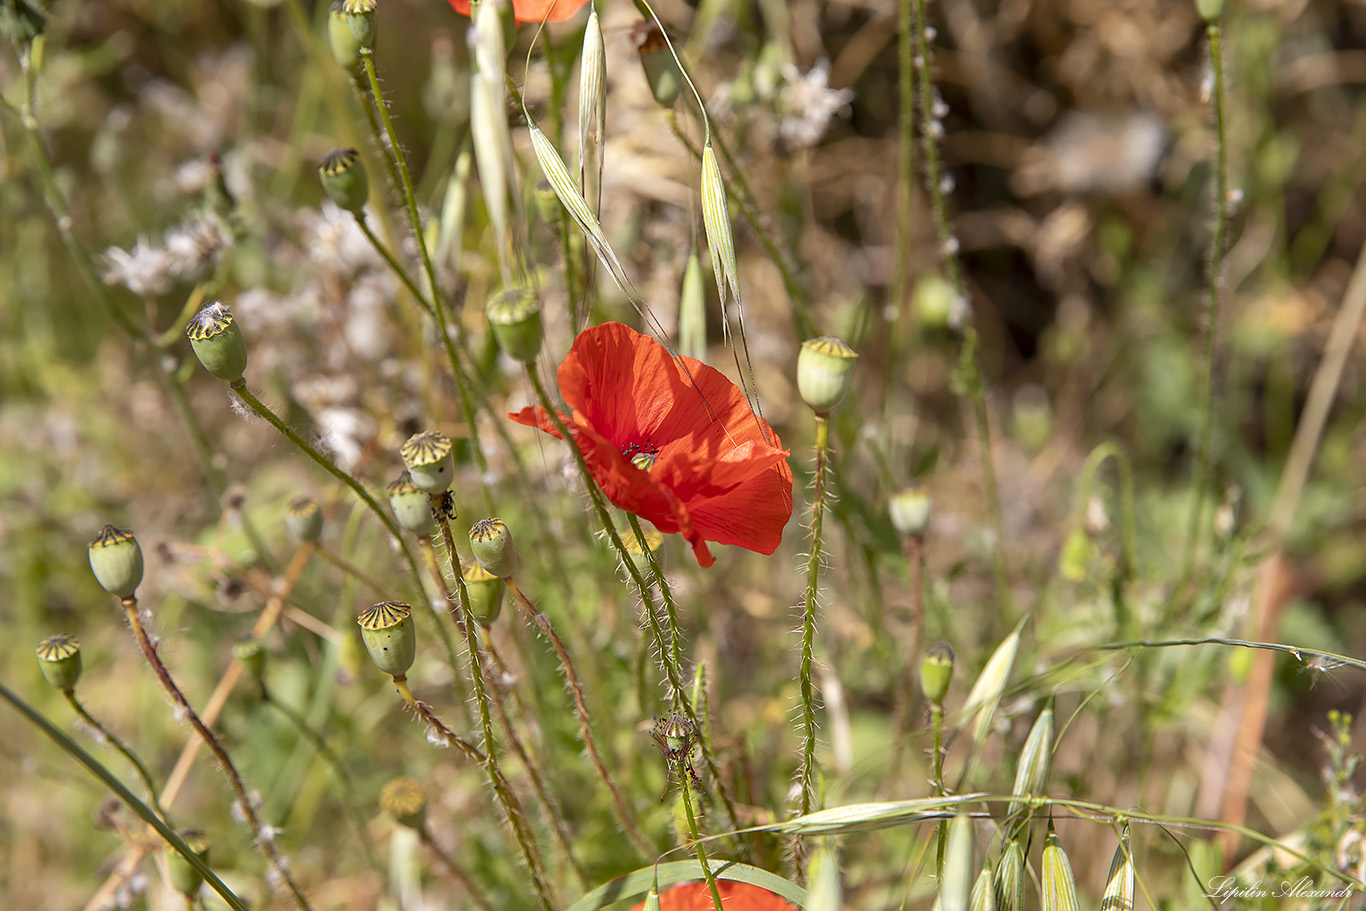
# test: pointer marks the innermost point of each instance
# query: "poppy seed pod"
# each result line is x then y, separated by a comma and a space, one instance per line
360, 18
304, 519
936, 672
185, 879
515, 318
661, 69
405, 802
412, 508
343, 178
345, 47
217, 342
825, 367
252, 655
910, 509
116, 561
430, 462
59, 658
492, 545
390, 636
485, 591
1211, 10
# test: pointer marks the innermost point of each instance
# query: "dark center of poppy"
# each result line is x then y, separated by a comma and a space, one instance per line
641, 455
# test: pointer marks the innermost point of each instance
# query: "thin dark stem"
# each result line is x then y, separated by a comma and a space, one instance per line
542, 622
264, 839
456, 871
119, 745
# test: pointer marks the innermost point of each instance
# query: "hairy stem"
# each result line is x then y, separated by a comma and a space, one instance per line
119, 745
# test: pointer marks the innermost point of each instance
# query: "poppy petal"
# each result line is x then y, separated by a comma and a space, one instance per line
533, 10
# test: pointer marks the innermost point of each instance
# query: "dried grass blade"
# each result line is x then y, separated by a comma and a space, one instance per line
720, 240
956, 879
592, 111
1119, 884
986, 692
983, 897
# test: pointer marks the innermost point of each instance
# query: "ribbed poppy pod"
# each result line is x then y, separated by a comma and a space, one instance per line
116, 561
661, 69
304, 519
936, 673
360, 18
390, 636
515, 318
825, 368
492, 545
344, 180
485, 591
405, 802
412, 508
217, 342
252, 655
430, 461
910, 509
185, 879
59, 658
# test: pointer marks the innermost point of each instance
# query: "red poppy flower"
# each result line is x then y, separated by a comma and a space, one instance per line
734, 897
687, 454
533, 10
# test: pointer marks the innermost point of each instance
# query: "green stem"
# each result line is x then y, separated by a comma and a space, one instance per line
240, 388
264, 839
1210, 316
512, 808
542, 622
119, 745
806, 772
144, 812
701, 852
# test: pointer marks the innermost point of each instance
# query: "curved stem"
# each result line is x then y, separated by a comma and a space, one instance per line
119, 745
111, 781
686, 787
264, 838
456, 871
581, 709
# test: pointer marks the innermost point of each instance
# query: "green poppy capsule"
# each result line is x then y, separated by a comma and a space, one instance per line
116, 561
345, 47
390, 636
1212, 11
485, 592
936, 672
343, 178
429, 460
252, 654
412, 508
184, 878
217, 342
405, 802
548, 204
661, 69
304, 519
492, 545
360, 18
515, 318
825, 367
910, 509
59, 658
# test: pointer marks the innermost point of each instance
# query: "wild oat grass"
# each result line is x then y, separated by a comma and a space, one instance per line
990, 538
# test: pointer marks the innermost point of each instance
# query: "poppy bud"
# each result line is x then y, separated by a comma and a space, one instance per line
252, 655
1212, 11
492, 545
345, 47
825, 367
405, 802
343, 177
1077, 552
116, 561
910, 509
412, 509
936, 672
360, 18
515, 318
547, 202
390, 636
485, 591
184, 878
933, 301
661, 69
59, 658
217, 342
304, 519
429, 460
